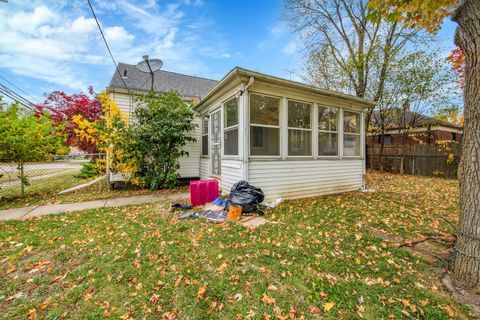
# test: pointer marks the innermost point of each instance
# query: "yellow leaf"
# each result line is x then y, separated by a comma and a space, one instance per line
267, 300
201, 292
11, 269
328, 306
32, 314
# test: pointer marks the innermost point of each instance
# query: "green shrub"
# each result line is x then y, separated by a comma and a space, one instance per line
89, 170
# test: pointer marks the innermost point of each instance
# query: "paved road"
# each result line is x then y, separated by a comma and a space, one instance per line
60, 165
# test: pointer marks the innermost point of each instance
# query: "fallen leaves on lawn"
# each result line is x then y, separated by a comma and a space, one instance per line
201, 292
267, 300
328, 306
32, 314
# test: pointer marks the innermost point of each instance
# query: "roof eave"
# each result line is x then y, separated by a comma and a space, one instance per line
237, 71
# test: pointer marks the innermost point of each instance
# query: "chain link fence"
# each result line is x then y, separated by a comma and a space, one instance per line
64, 172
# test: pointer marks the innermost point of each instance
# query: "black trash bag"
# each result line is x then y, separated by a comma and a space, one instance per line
246, 195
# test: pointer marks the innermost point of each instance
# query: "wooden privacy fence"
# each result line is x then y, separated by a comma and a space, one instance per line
419, 159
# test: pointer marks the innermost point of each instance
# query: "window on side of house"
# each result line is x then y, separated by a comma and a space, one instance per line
264, 125
327, 131
230, 124
351, 134
299, 128
204, 136
387, 139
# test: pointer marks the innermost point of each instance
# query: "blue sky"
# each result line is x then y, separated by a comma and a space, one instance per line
55, 45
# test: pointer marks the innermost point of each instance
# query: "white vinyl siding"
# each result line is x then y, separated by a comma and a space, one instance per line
125, 102
204, 168
231, 173
305, 178
190, 166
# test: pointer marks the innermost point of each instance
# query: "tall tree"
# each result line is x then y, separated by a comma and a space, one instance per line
348, 52
416, 83
62, 108
419, 13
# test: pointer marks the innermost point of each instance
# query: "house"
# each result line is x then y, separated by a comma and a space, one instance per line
189, 87
422, 129
291, 139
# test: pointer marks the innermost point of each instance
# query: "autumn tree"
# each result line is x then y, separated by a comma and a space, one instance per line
457, 60
429, 14
347, 51
63, 108
25, 137
109, 135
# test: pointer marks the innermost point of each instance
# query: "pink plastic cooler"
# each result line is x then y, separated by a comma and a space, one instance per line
203, 191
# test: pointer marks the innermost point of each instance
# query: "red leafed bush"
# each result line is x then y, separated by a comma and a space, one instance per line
62, 107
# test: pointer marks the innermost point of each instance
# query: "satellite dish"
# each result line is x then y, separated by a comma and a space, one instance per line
150, 65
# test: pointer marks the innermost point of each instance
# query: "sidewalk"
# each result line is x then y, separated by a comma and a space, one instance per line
37, 211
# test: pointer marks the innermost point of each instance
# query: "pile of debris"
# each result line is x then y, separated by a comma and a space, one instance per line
243, 200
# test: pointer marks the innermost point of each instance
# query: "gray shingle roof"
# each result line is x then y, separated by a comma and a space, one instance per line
187, 86
411, 118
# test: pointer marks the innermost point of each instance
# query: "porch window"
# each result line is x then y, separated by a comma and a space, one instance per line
204, 136
351, 134
327, 131
299, 129
264, 125
230, 131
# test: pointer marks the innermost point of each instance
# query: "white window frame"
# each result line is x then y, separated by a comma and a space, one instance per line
210, 150
311, 129
338, 132
236, 126
204, 134
279, 127
360, 128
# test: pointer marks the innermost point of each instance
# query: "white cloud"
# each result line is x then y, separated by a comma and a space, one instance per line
290, 48
28, 22
83, 25
59, 43
118, 35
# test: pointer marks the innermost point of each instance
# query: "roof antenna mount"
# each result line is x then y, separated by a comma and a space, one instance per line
150, 66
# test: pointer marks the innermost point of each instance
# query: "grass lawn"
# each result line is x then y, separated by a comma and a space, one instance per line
320, 261
44, 192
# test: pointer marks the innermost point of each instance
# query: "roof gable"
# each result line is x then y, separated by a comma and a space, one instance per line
164, 81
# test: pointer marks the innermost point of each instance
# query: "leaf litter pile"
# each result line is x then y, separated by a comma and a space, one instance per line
322, 261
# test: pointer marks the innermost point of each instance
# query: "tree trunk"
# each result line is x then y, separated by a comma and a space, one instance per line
467, 248
382, 150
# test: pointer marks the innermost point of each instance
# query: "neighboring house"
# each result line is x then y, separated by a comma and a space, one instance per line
288, 138
189, 87
422, 130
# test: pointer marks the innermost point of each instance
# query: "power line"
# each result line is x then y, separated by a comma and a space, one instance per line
21, 90
106, 44
16, 96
